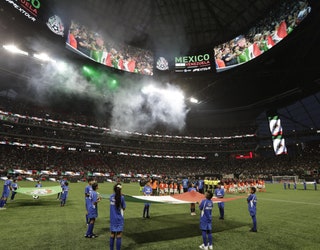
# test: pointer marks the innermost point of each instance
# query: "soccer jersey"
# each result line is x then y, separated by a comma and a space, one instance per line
65, 192
116, 214
219, 193
87, 191
6, 188
191, 189
185, 183
147, 190
200, 184
62, 182
92, 205
206, 214
14, 186
252, 204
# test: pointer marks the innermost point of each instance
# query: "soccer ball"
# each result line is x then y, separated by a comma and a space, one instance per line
35, 197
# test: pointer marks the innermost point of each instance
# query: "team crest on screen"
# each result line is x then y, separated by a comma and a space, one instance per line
55, 25
162, 64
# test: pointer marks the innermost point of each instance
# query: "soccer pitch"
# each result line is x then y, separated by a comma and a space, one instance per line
287, 219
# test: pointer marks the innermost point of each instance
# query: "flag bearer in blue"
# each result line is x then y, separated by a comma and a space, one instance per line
252, 207
205, 207
39, 184
147, 191
219, 193
117, 206
61, 181
6, 192
64, 194
92, 210
14, 187
87, 191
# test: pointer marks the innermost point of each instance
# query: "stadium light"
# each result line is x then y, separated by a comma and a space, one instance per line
194, 100
15, 50
44, 57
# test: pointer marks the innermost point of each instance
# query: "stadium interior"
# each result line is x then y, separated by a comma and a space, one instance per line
50, 119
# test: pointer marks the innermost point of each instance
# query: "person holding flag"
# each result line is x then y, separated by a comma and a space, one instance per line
205, 207
92, 210
14, 187
117, 207
219, 193
64, 194
61, 181
252, 207
147, 191
87, 191
6, 192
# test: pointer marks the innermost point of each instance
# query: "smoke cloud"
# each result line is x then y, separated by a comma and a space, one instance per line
141, 107
135, 105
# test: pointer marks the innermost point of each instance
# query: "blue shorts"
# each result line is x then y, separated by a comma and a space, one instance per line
205, 226
116, 227
252, 212
92, 213
221, 205
5, 194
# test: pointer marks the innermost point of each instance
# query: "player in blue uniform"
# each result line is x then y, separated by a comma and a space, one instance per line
117, 206
5, 192
61, 181
252, 207
38, 185
87, 191
219, 193
304, 185
14, 187
200, 185
147, 191
185, 184
92, 210
64, 193
205, 207
192, 188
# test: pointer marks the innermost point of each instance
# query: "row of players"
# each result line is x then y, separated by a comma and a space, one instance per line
169, 187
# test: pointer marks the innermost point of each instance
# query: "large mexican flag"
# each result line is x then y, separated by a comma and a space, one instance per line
44, 191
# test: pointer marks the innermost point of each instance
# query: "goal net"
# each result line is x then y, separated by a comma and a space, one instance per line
285, 178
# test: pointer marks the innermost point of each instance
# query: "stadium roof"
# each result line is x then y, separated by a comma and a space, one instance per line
284, 75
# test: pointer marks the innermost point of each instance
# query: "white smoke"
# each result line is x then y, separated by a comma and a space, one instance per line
140, 107
135, 105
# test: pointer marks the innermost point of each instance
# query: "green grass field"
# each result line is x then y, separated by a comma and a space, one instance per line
287, 219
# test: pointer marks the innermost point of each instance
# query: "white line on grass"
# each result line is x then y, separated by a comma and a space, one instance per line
298, 202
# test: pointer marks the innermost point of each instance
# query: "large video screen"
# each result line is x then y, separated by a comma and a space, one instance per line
198, 61
262, 37
97, 47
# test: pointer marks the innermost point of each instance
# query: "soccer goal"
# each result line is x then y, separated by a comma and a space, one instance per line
285, 178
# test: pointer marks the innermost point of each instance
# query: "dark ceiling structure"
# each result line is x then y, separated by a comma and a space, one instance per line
282, 76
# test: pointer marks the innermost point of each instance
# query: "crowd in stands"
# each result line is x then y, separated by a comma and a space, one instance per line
105, 157
263, 36
109, 52
14, 157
